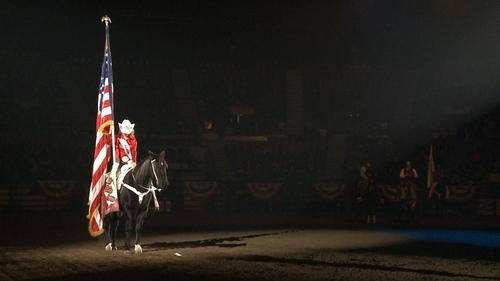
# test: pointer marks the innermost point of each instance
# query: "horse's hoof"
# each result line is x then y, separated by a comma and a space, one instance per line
138, 249
109, 247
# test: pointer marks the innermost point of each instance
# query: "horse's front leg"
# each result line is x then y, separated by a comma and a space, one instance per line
114, 229
107, 232
128, 227
138, 230
110, 227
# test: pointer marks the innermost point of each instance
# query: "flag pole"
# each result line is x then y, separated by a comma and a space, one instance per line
107, 20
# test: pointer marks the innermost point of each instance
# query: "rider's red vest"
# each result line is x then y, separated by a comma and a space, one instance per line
126, 147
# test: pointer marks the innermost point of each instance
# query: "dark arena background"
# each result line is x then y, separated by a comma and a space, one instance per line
269, 112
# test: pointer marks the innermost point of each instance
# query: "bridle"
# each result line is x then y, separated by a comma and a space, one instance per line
154, 172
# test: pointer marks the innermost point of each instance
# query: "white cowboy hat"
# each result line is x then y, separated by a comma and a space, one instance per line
126, 127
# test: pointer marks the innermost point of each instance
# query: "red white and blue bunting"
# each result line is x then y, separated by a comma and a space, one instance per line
391, 192
198, 193
330, 191
461, 193
200, 189
58, 189
264, 190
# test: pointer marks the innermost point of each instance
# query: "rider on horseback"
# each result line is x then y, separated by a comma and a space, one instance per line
136, 187
125, 149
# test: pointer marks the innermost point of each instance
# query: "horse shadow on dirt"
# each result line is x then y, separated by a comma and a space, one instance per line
430, 249
223, 242
357, 265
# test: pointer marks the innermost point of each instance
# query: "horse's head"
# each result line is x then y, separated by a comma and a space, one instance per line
159, 168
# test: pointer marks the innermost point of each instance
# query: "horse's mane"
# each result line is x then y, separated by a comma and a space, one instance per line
141, 169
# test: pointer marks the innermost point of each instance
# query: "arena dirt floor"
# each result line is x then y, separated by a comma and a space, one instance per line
266, 254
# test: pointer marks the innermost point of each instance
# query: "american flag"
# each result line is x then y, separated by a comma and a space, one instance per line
103, 142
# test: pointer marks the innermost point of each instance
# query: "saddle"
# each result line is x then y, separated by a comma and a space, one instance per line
124, 170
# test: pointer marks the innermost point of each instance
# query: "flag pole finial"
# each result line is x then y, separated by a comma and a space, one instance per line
106, 19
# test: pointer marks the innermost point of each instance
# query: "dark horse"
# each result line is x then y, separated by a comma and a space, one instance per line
135, 195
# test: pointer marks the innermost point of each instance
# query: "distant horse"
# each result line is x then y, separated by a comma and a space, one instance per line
135, 195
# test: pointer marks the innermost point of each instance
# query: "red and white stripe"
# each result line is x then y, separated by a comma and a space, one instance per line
101, 159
